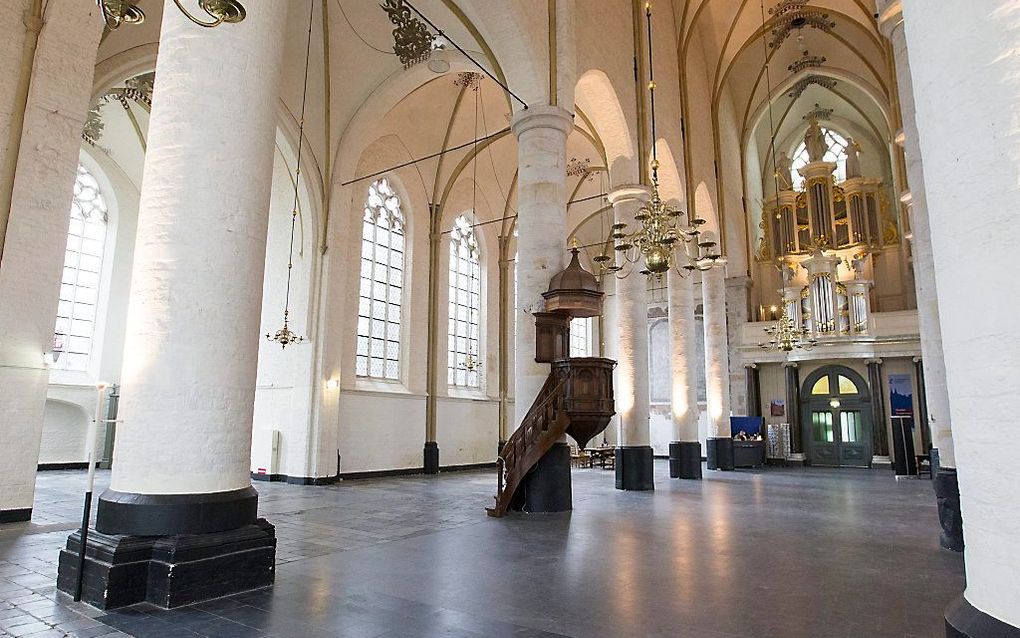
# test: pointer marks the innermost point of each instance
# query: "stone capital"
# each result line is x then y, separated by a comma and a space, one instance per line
873, 362
629, 192
890, 16
751, 366
790, 364
542, 117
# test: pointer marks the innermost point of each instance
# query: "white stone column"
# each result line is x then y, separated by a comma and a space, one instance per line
683, 351
541, 235
196, 295
966, 78
36, 236
929, 324
737, 304
717, 369
631, 376
634, 456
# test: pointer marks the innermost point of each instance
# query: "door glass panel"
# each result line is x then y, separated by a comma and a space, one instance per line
846, 386
821, 423
821, 386
850, 427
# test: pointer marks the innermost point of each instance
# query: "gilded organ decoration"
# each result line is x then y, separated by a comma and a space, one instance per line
829, 229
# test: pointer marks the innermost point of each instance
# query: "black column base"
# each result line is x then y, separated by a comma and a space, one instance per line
947, 496
16, 516
546, 488
431, 464
169, 571
685, 460
635, 468
963, 620
128, 513
720, 453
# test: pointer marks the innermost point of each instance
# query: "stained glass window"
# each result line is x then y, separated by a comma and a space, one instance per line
463, 361
836, 153
83, 264
382, 284
821, 386
846, 386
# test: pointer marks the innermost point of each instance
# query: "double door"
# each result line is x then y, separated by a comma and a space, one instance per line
837, 418
840, 437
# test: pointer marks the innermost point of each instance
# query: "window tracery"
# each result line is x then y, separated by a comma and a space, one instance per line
382, 284
74, 332
463, 361
836, 152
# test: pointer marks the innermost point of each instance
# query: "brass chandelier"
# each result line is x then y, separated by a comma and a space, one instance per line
784, 335
665, 238
118, 12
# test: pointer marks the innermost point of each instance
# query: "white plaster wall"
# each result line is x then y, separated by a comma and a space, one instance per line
64, 433
381, 432
660, 424
284, 387
467, 431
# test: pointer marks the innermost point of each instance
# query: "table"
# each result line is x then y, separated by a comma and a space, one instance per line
603, 455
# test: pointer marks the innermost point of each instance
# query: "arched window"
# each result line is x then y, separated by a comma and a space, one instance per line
463, 361
382, 284
836, 153
580, 337
83, 264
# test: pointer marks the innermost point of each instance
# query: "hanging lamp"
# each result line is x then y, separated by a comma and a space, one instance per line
666, 237
784, 334
118, 12
285, 336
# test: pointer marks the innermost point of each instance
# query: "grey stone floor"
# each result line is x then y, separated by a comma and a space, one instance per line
780, 552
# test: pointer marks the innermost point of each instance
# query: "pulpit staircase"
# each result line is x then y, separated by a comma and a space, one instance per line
576, 399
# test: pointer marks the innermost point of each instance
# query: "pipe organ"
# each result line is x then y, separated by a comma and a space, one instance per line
823, 238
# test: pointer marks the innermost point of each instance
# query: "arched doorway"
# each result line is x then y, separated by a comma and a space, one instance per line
836, 418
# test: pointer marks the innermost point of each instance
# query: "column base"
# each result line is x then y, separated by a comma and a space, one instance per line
720, 453
128, 513
947, 496
796, 458
635, 468
169, 571
963, 620
431, 459
16, 516
685, 460
546, 488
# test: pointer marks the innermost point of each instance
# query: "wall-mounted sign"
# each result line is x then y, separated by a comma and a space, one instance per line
901, 395
777, 408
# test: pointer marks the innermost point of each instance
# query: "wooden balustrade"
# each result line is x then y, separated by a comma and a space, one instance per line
576, 399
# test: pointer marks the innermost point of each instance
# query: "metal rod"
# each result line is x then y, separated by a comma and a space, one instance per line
491, 221
466, 54
426, 157
90, 446
585, 199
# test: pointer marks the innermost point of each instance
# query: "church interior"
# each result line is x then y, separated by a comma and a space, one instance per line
509, 318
